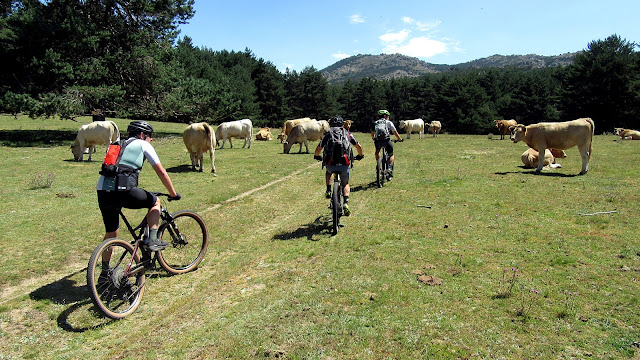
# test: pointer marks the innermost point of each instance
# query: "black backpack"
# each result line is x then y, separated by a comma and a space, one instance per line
337, 151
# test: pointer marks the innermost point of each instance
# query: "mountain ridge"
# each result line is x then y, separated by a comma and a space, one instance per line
389, 66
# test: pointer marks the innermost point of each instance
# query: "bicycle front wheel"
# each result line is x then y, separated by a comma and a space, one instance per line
115, 278
188, 239
379, 173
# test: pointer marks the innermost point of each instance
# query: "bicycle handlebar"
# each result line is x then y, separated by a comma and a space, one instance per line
168, 196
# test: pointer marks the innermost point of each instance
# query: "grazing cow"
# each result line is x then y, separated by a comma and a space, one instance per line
92, 134
235, 129
503, 127
530, 158
627, 134
264, 134
288, 126
347, 124
199, 138
560, 136
416, 125
435, 127
305, 132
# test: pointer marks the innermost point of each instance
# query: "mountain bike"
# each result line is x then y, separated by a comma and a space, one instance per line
382, 166
117, 290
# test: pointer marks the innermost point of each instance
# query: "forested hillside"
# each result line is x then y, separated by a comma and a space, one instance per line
125, 59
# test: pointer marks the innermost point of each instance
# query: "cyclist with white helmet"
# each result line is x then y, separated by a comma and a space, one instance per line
122, 191
381, 136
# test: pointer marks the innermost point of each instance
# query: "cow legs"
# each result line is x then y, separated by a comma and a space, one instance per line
193, 160
584, 154
213, 159
306, 145
200, 161
540, 161
92, 149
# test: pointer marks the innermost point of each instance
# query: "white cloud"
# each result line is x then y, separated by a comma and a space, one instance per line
421, 47
402, 42
395, 38
356, 19
340, 55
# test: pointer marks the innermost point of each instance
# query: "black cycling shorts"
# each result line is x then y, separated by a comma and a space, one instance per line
387, 144
111, 202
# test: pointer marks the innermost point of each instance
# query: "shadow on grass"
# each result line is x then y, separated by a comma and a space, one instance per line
33, 138
68, 291
182, 169
533, 172
320, 226
369, 186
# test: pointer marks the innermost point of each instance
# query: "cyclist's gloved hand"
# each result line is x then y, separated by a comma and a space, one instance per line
359, 157
177, 197
317, 157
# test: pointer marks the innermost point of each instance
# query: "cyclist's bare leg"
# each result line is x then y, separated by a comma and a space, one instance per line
106, 255
153, 216
392, 159
327, 178
346, 189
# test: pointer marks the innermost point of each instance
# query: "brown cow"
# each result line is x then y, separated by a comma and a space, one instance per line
503, 127
264, 134
627, 134
560, 136
435, 126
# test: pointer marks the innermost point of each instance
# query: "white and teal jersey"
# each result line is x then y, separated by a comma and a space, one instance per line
134, 155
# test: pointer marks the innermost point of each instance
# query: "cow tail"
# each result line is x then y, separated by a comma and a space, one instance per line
211, 135
593, 129
116, 132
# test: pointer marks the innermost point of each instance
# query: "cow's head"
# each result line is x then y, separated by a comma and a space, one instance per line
558, 154
517, 132
287, 147
281, 137
77, 150
402, 124
617, 131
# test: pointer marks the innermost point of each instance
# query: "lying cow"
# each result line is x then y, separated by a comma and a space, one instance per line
627, 134
92, 134
560, 136
504, 127
289, 125
264, 134
435, 127
235, 129
199, 138
530, 158
305, 132
416, 125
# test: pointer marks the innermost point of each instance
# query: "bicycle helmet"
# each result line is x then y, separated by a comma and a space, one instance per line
336, 121
138, 126
383, 112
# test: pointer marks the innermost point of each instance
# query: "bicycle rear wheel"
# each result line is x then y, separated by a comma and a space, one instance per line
188, 239
336, 206
115, 290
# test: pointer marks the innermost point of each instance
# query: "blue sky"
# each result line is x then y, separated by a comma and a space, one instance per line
297, 33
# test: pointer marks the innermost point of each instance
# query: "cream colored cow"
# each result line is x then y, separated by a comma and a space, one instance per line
530, 158
305, 132
435, 126
627, 134
264, 134
504, 127
92, 134
415, 125
560, 136
200, 138
288, 126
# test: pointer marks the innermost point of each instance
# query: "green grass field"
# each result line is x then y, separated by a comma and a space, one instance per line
464, 254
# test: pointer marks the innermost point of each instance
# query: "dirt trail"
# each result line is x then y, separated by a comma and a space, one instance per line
28, 285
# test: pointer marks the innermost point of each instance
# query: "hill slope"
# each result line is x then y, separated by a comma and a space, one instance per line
385, 67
